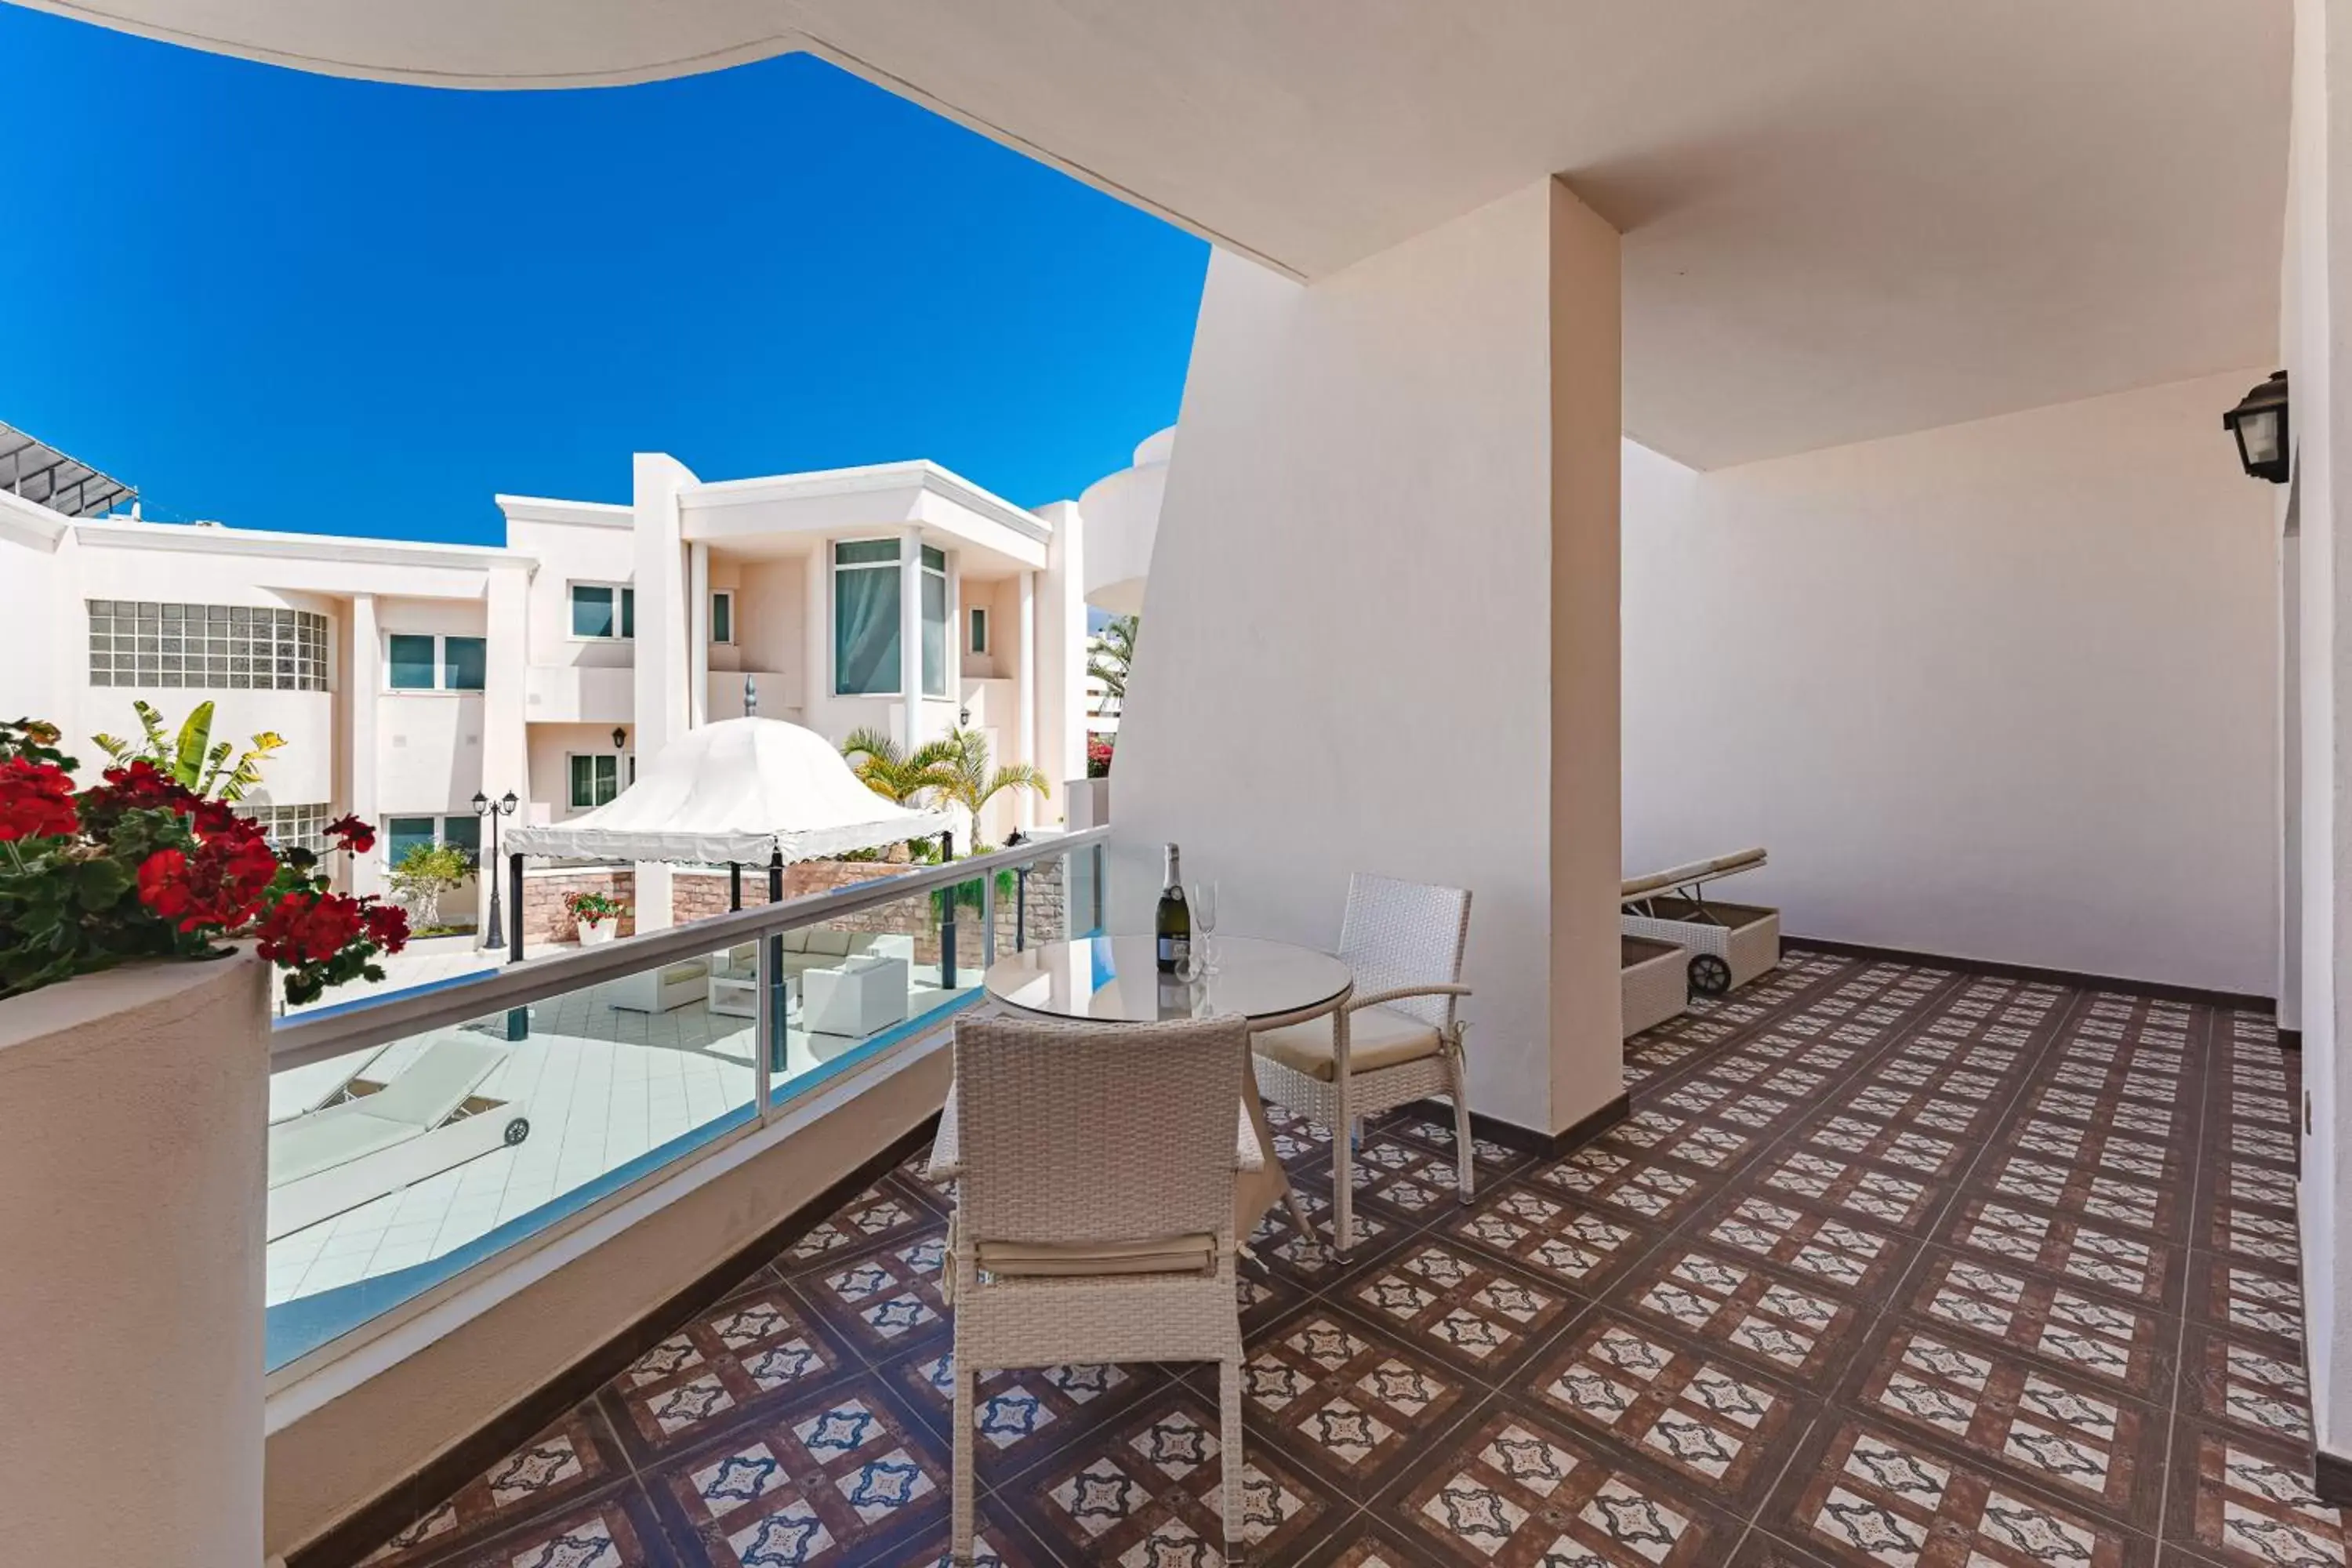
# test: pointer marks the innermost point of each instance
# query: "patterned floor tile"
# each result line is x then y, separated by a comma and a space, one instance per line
1338, 1397
1717, 1423
1869, 1495
882, 1299
751, 1350
1147, 1491
2240, 1502
831, 1481
1553, 1234
1020, 1415
570, 1458
2123, 1347
1452, 1301
1889, 1261
2104, 1258
1785, 1323
1519, 1492
2057, 1431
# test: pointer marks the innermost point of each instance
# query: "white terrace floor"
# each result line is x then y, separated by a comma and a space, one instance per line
601, 1087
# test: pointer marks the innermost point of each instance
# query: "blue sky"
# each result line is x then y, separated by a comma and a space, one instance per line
293, 302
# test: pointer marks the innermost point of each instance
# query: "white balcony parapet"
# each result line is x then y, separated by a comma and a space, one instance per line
1122, 517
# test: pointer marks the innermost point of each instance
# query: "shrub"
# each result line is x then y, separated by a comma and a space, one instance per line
425, 873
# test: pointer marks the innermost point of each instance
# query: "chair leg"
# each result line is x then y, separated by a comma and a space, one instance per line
960, 1529
1299, 1216
1343, 1177
1465, 1163
1229, 1414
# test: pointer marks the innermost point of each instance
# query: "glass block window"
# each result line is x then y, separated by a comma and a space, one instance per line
216, 647
292, 826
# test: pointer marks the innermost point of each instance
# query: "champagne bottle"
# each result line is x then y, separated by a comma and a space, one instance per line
1173, 924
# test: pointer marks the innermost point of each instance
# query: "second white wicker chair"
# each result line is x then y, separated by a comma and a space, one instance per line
1094, 1210
1398, 1039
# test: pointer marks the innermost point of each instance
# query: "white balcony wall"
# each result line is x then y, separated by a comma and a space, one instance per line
578, 694
2003, 690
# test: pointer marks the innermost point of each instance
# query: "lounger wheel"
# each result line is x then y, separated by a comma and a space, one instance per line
1709, 975
516, 1131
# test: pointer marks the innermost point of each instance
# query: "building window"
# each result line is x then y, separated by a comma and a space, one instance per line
217, 648
414, 661
597, 777
404, 834
865, 620
594, 610
979, 629
291, 826
722, 616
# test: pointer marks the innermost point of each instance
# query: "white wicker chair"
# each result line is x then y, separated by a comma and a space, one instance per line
1094, 1210
1398, 1039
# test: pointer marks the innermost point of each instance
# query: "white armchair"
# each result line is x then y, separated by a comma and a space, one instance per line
1398, 1039
857, 996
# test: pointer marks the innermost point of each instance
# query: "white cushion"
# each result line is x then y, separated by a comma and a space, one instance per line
1377, 1038
796, 941
831, 942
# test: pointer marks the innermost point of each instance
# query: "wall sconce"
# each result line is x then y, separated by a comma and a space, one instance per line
620, 738
2259, 422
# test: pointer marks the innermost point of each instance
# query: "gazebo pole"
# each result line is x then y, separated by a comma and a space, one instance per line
734, 885
947, 920
514, 909
778, 997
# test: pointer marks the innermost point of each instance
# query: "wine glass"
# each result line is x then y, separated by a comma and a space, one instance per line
1203, 898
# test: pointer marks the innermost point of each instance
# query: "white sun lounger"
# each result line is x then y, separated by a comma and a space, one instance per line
428, 1120
1729, 944
298, 1091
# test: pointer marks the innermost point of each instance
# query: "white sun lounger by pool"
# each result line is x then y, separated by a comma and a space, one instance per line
298, 1091
1729, 944
389, 1136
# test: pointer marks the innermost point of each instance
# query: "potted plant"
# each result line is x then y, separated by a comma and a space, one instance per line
143, 866
598, 916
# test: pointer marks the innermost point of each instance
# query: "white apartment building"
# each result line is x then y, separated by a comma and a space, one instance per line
407, 677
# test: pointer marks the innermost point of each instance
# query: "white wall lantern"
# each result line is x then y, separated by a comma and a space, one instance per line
2259, 422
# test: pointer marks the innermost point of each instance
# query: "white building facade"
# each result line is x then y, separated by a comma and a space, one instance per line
406, 678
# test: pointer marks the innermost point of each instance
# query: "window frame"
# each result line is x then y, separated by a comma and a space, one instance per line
625, 611
977, 616
719, 596
440, 821
177, 645
624, 773
934, 562
440, 687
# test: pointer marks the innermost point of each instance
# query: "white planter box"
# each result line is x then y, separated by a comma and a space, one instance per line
599, 933
132, 1104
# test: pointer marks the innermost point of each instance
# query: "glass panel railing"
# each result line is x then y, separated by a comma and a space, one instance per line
395, 1166
402, 1154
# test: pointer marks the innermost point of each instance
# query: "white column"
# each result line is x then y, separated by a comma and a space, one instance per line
1024, 693
1061, 648
505, 736
697, 635
660, 647
951, 638
817, 640
1477, 361
910, 633
363, 681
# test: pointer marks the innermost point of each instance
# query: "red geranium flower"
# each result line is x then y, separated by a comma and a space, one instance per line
36, 801
311, 927
221, 885
387, 924
350, 833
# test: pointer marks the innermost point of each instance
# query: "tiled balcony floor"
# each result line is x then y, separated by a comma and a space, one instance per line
1893, 1264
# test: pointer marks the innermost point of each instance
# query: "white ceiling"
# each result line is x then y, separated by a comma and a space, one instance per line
1843, 218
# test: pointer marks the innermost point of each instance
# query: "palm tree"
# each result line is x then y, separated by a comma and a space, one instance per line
1108, 657
966, 780
884, 766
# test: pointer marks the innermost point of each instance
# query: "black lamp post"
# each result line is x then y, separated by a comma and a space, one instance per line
2259, 424
494, 809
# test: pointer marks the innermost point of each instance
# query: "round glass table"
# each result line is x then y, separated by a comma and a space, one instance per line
1115, 980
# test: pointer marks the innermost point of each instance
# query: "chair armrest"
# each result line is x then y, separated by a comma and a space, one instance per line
1247, 1155
946, 1155
1398, 993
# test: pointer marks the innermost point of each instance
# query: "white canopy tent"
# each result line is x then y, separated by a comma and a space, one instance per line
741, 791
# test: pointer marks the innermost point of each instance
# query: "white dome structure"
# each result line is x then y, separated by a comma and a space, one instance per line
1122, 513
735, 793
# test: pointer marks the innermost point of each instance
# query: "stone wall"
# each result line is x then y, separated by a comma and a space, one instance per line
700, 895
